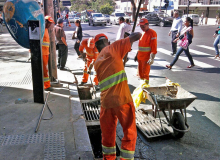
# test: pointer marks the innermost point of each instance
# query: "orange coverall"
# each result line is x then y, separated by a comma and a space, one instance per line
116, 101
147, 45
45, 53
91, 55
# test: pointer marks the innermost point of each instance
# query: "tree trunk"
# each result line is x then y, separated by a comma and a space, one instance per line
52, 65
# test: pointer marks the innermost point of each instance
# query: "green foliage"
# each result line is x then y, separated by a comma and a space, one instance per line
62, 8
106, 9
80, 5
218, 11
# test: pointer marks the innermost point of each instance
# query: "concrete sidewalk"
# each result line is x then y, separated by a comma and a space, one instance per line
65, 136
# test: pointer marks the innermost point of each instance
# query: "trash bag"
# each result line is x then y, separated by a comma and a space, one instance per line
138, 95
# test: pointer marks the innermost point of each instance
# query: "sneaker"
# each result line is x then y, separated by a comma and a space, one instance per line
172, 54
49, 89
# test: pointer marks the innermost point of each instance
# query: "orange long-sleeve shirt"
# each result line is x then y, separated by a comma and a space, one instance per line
147, 44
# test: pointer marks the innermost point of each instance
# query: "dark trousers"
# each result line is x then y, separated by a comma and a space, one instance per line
62, 55
76, 47
174, 45
180, 50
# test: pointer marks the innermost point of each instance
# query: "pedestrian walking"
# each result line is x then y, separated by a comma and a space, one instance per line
77, 34
58, 14
116, 100
66, 18
216, 42
46, 52
185, 40
123, 28
216, 21
123, 32
1, 23
175, 30
147, 49
129, 27
201, 18
62, 45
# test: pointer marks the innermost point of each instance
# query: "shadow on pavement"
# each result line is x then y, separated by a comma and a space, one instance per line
206, 97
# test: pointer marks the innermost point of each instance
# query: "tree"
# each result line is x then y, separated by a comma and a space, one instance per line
106, 9
62, 8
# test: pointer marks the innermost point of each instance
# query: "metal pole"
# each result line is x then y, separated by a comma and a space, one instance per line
135, 21
49, 10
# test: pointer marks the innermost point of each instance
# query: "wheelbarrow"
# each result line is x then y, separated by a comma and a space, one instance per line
171, 99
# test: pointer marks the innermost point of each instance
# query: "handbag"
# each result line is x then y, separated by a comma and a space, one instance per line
74, 35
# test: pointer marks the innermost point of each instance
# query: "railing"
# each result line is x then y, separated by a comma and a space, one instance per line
202, 2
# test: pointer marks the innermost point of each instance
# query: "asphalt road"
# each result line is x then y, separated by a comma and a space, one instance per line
202, 141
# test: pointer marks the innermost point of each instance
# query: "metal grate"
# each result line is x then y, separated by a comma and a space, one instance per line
26, 80
149, 125
54, 143
91, 111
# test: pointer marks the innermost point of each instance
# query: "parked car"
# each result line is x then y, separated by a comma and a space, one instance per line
159, 18
194, 17
71, 19
76, 18
107, 17
114, 17
97, 19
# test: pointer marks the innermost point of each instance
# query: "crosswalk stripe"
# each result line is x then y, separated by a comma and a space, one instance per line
163, 63
197, 63
160, 62
206, 47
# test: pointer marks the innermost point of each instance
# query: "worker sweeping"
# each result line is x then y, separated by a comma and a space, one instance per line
89, 57
147, 49
116, 100
46, 52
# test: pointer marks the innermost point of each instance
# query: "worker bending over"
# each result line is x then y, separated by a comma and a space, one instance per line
89, 57
46, 52
116, 100
147, 49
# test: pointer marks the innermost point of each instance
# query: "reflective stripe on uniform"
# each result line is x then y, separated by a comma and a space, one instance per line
144, 49
108, 150
46, 79
91, 55
113, 80
125, 154
46, 44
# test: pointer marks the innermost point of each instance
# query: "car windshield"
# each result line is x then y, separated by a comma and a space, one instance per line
163, 15
119, 14
97, 15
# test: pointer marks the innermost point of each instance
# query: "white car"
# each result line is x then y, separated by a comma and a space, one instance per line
76, 18
71, 19
114, 17
97, 19
194, 17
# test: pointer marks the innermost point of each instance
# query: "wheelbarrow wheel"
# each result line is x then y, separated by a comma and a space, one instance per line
179, 123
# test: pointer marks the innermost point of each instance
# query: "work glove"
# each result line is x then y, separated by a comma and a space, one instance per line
90, 68
135, 58
151, 60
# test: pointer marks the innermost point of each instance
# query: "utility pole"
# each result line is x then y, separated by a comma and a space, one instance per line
49, 10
